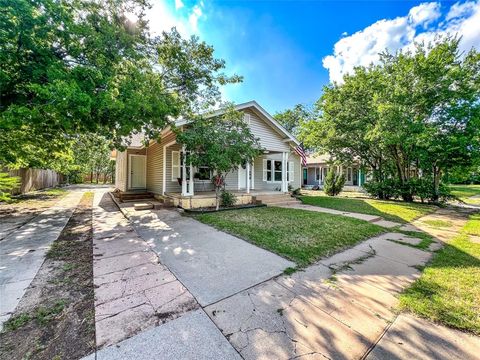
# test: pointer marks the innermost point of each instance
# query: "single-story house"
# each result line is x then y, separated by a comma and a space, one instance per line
159, 167
315, 172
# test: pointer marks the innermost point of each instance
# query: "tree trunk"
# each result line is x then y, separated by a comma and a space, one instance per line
436, 183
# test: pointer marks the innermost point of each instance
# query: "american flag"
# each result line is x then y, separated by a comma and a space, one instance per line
301, 152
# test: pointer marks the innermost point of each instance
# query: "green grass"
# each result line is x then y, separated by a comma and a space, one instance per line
465, 192
438, 223
472, 227
449, 289
390, 210
41, 315
301, 236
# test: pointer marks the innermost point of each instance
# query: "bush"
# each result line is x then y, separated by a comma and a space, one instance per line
7, 184
296, 192
333, 183
421, 188
227, 199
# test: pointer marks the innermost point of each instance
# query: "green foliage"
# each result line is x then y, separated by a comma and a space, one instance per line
334, 183
421, 188
415, 114
222, 143
77, 67
7, 184
292, 119
227, 199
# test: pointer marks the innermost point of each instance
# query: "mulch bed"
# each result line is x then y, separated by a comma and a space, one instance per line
55, 318
213, 209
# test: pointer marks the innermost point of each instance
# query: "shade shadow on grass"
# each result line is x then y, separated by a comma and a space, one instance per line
396, 211
299, 235
449, 289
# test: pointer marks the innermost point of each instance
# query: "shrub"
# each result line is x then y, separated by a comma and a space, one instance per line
296, 192
333, 183
227, 199
421, 188
7, 184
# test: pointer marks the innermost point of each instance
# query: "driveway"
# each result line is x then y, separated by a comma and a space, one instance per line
212, 265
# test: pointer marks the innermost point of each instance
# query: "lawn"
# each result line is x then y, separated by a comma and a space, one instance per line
301, 236
449, 288
465, 192
390, 210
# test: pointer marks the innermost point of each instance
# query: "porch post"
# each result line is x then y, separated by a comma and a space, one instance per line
191, 183
184, 173
248, 177
284, 172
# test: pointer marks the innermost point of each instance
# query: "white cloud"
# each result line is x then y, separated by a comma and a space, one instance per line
362, 48
424, 14
178, 4
164, 15
194, 16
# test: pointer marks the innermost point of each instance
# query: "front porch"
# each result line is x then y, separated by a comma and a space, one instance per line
207, 199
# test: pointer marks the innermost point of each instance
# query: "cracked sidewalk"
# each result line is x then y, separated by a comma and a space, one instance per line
133, 291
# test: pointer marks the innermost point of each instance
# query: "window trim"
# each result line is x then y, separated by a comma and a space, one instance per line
272, 171
175, 156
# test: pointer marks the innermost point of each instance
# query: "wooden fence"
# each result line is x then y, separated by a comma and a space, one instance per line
35, 179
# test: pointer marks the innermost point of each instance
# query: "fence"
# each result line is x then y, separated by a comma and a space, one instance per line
35, 179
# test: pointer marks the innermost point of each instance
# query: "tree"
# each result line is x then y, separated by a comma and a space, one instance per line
333, 183
76, 67
415, 114
222, 143
91, 156
292, 119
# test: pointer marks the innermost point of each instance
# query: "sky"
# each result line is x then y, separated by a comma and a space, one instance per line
288, 50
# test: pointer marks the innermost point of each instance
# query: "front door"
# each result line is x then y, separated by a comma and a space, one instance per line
242, 177
305, 176
355, 177
137, 172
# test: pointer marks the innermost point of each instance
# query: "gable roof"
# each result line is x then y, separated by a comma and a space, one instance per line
265, 115
137, 140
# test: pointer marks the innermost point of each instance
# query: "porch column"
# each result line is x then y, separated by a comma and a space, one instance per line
184, 173
191, 183
284, 172
248, 177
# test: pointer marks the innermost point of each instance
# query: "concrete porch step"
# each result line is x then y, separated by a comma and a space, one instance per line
143, 206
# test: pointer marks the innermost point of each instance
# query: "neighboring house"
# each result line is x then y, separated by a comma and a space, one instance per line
159, 168
315, 172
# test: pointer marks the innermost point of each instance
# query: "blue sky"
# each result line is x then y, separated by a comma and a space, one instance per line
288, 50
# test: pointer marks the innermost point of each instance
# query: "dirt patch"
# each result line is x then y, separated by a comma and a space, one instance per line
55, 318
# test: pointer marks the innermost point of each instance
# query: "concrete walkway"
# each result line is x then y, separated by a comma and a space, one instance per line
377, 220
22, 252
133, 291
210, 263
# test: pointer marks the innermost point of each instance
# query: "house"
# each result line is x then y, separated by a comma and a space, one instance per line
315, 172
159, 167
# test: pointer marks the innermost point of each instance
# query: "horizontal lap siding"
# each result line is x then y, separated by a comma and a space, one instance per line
121, 170
155, 168
270, 139
171, 186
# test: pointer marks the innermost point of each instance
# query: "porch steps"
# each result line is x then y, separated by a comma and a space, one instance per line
135, 197
143, 206
280, 199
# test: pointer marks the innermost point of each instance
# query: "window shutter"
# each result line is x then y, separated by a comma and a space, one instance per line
175, 165
265, 169
290, 174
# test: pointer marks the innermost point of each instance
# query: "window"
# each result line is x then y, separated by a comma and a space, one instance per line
349, 174
246, 118
290, 172
175, 165
203, 173
272, 170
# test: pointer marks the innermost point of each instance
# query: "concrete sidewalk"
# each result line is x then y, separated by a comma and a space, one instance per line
336, 309
23, 251
210, 263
